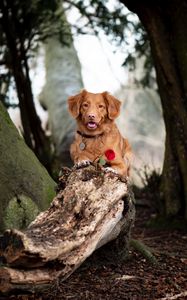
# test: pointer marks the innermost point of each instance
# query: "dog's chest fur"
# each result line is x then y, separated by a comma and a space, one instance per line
94, 147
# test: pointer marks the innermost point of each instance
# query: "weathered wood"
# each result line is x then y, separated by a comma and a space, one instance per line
91, 208
26, 280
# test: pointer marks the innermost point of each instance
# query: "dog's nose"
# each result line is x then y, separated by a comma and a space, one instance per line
91, 116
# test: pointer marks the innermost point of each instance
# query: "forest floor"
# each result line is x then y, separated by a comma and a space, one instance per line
136, 278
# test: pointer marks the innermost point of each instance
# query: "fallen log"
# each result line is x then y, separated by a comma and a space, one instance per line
91, 208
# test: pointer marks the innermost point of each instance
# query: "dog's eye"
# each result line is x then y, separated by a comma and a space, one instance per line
85, 105
101, 106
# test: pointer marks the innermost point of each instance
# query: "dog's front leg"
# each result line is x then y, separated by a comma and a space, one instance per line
119, 167
80, 158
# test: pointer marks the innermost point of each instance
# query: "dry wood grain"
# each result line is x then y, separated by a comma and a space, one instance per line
90, 209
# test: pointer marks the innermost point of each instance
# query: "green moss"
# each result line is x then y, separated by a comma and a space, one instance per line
5, 116
20, 212
21, 174
50, 194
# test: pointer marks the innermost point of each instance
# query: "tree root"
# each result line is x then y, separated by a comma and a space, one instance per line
144, 250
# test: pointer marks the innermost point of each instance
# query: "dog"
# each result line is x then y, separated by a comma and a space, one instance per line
97, 138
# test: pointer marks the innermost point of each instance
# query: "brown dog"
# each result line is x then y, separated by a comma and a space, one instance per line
97, 137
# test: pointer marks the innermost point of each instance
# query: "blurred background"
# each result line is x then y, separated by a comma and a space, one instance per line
137, 51
50, 50
73, 46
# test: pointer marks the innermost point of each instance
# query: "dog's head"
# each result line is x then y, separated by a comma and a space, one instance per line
94, 110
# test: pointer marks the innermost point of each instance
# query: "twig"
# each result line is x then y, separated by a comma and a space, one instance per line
183, 294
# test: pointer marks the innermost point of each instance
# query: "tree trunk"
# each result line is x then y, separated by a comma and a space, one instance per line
63, 78
33, 132
166, 25
25, 186
91, 208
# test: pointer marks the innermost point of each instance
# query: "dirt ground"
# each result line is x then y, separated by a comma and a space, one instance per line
136, 278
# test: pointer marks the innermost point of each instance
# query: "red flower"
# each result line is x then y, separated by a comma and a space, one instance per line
110, 154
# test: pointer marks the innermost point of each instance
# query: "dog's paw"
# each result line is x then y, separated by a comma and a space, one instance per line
82, 164
109, 169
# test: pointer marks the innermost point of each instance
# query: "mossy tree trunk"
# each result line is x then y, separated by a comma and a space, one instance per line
166, 25
25, 186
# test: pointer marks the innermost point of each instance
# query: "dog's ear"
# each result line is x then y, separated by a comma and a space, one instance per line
74, 103
113, 105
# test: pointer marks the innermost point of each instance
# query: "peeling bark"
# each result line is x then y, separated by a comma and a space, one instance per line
90, 209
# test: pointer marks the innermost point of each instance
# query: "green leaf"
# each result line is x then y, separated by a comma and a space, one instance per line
102, 161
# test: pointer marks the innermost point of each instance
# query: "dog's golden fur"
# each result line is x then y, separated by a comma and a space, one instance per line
95, 115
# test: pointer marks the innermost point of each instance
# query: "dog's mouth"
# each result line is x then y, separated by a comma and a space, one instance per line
91, 125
